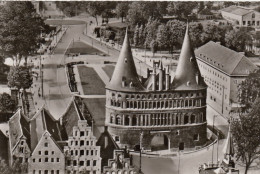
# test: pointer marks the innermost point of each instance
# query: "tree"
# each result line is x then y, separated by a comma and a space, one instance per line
249, 91
142, 36
175, 34
151, 30
136, 35
20, 77
20, 29
246, 131
139, 12
161, 36
181, 9
213, 32
95, 9
7, 104
195, 31
237, 40
121, 10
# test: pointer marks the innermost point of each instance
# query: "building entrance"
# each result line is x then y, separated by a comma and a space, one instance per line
159, 142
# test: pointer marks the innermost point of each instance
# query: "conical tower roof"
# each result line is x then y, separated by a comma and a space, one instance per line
125, 77
229, 146
187, 76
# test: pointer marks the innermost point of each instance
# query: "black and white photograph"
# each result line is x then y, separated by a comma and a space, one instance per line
129, 87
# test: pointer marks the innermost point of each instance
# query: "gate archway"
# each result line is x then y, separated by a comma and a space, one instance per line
160, 141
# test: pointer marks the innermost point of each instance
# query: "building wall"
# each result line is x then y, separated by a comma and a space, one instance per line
251, 19
46, 158
82, 152
232, 17
21, 151
130, 113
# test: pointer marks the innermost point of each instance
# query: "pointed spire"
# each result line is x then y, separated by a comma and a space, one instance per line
125, 76
229, 147
187, 75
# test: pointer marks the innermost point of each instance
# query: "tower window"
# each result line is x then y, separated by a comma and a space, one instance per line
125, 60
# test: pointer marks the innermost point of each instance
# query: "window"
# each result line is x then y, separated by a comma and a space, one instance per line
196, 137
81, 152
52, 152
40, 152
52, 171
94, 162
81, 133
86, 152
76, 133
57, 172
91, 153
40, 160
40, 171
117, 139
58, 159
88, 162
45, 144
75, 163
46, 152
33, 171
178, 132
34, 160
71, 152
87, 143
81, 142
45, 171
81, 163
52, 159
76, 143
46, 160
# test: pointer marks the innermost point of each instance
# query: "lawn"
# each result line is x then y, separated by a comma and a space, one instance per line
64, 22
109, 69
90, 81
83, 48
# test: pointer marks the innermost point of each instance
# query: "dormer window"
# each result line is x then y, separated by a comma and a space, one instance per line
125, 60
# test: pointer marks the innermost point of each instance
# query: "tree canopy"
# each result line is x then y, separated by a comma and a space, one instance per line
7, 104
20, 29
20, 77
121, 10
246, 135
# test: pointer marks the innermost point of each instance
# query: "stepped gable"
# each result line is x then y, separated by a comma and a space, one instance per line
107, 147
125, 77
187, 76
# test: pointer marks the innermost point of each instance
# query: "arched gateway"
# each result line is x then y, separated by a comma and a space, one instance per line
169, 111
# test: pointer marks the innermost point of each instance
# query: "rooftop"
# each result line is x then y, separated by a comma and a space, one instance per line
237, 10
225, 59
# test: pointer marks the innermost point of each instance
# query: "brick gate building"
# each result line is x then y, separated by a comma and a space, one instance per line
169, 112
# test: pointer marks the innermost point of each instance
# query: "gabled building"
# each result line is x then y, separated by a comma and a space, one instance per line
19, 137
171, 113
241, 16
107, 147
82, 153
47, 157
223, 70
120, 163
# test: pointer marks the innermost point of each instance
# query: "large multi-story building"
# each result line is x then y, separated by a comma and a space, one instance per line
47, 157
241, 16
82, 153
169, 114
223, 70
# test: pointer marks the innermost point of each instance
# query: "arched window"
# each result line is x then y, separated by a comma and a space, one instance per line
135, 104
143, 96
154, 104
112, 119
186, 103
253, 15
186, 119
119, 96
146, 105
118, 120
127, 120
138, 96
127, 96
192, 119
134, 120
132, 96
113, 94
166, 104
177, 120
127, 104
